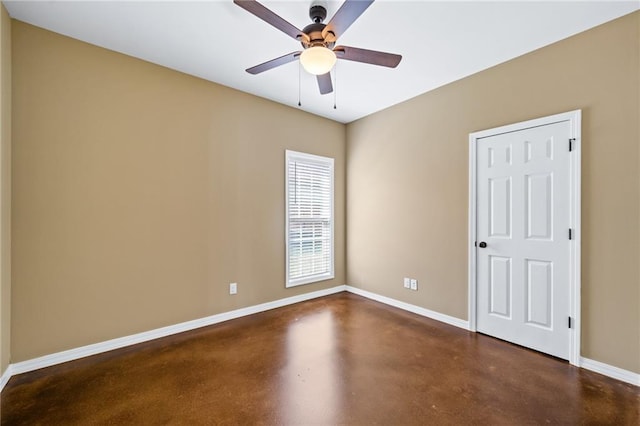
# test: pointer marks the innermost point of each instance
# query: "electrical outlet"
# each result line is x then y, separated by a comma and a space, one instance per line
233, 288
407, 283
414, 284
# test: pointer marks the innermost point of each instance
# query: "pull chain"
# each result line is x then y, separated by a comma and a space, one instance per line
335, 84
299, 77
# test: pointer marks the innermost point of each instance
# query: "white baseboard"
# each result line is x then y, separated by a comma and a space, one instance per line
610, 371
84, 351
457, 322
5, 377
109, 345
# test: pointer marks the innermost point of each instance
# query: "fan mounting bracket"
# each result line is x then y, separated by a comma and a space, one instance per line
317, 13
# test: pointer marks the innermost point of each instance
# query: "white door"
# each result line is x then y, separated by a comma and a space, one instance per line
523, 255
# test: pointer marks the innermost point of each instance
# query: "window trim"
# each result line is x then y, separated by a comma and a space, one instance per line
295, 155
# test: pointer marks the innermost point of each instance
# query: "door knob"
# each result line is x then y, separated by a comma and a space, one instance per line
482, 244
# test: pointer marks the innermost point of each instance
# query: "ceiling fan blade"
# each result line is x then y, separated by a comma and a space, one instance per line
345, 16
374, 57
269, 17
289, 57
324, 83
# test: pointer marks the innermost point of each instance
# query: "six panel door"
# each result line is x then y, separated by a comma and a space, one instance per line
523, 217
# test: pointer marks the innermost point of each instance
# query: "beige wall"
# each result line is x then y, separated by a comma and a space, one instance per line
407, 181
140, 193
5, 189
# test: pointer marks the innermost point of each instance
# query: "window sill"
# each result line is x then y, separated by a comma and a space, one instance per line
309, 280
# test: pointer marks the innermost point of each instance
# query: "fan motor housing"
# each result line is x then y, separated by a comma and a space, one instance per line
314, 31
317, 13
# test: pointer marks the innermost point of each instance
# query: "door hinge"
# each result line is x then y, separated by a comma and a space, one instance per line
570, 234
569, 322
571, 141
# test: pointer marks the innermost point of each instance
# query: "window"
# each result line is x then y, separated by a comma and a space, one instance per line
309, 227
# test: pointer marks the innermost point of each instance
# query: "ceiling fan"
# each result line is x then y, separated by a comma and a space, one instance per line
318, 40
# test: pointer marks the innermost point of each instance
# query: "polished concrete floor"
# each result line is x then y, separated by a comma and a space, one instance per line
336, 360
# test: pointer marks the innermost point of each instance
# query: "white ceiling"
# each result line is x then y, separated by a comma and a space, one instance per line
216, 40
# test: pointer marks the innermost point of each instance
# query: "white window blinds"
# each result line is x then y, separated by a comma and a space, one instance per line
309, 194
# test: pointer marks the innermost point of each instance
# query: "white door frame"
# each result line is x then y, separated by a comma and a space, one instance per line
574, 118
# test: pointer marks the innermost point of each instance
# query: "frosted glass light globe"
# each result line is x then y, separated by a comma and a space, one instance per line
317, 60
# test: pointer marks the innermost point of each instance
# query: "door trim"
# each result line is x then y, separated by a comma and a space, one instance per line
574, 118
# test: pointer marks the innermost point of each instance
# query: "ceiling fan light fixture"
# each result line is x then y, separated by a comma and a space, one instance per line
318, 60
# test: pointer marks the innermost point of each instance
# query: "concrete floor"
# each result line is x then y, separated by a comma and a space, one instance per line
341, 359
